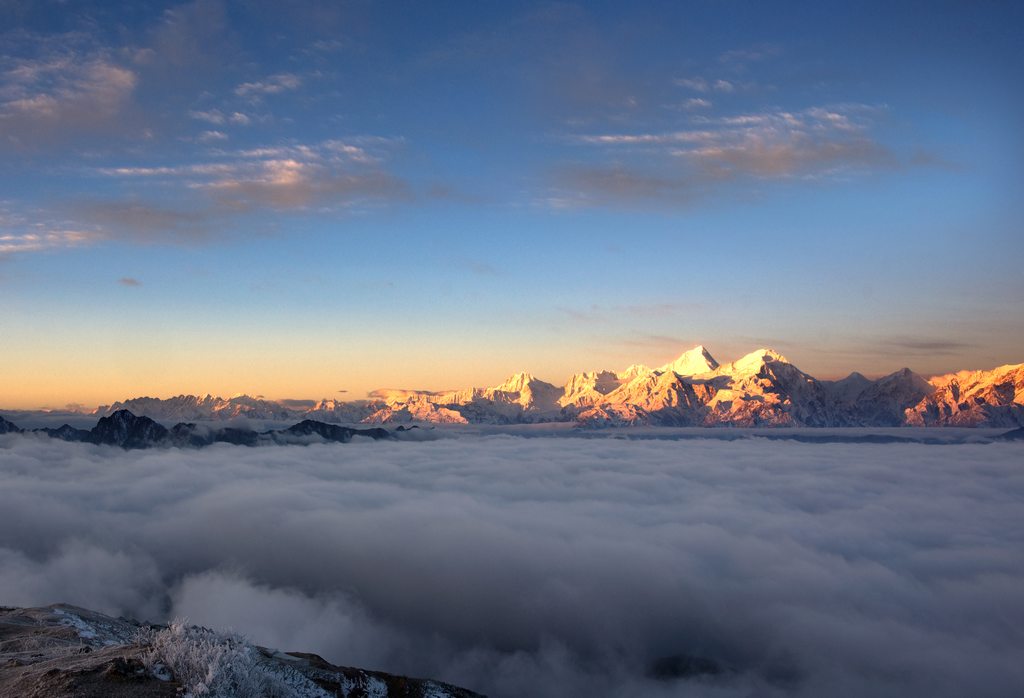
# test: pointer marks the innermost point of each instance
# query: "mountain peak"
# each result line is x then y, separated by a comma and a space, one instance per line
692, 362
752, 362
770, 354
765, 354
518, 382
633, 371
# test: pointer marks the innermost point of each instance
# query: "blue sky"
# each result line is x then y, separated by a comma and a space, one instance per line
236, 197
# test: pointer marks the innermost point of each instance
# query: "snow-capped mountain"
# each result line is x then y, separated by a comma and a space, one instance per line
885, 401
846, 390
589, 388
341, 412
762, 388
973, 398
185, 408
694, 362
658, 397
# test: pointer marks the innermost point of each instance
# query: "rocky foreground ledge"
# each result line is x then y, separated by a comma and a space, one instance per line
62, 650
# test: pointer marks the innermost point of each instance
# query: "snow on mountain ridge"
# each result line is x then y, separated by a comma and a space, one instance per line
752, 363
694, 362
760, 388
183, 408
973, 398
846, 390
584, 389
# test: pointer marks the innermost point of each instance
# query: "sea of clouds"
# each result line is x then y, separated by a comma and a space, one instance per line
551, 566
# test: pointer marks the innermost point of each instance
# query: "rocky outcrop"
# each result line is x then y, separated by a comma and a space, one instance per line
63, 651
127, 430
327, 432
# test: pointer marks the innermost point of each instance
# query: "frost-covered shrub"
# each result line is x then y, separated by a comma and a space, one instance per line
209, 664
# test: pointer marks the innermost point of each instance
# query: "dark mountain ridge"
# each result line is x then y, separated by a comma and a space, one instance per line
130, 431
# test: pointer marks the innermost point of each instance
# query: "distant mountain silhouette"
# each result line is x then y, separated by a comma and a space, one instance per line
130, 431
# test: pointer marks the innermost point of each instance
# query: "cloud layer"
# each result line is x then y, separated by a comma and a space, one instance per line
552, 566
815, 143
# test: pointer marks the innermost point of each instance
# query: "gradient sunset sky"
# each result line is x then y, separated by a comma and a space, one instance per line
293, 201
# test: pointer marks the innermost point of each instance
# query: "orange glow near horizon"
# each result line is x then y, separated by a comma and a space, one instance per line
51, 379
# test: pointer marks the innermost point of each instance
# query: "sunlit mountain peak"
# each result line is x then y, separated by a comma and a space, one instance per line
692, 362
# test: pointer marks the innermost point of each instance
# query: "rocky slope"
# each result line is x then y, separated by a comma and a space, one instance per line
63, 651
8, 427
762, 388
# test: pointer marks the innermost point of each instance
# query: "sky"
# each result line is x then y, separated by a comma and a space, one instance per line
341, 196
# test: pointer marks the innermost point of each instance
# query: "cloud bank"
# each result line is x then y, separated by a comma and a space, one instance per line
548, 566
825, 142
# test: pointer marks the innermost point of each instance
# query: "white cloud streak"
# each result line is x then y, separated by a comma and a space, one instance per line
218, 118
815, 143
551, 567
699, 84
273, 84
333, 172
211, 136
36, 241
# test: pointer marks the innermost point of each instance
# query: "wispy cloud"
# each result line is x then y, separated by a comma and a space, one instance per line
902, 345
211, 136
219, 118
602, 313
198, 169
194, 202
36, 232
12, 243
695, 103
271, 85
191, 40
740, 58
145, 222
700, 84
294, 175
585, 185
52, 97
670, 345
288, 183
648, 138
813, 143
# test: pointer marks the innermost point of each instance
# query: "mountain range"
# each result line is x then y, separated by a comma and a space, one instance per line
762, 388
127, 430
